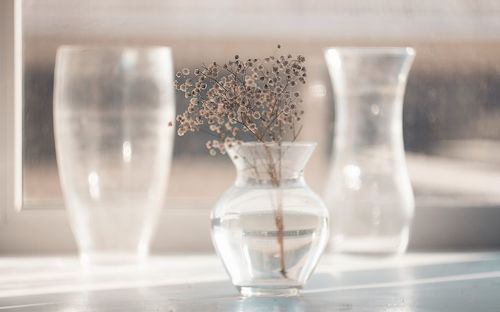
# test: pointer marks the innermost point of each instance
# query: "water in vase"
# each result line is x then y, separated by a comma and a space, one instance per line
257, 260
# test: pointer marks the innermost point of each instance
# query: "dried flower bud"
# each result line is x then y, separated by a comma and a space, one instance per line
258, 97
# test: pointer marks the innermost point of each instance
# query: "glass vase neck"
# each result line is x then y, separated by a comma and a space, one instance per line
367, 69
369, 86
271, 164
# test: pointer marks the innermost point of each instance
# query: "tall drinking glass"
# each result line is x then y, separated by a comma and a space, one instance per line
112, 109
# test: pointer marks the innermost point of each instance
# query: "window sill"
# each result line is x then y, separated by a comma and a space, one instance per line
199, 283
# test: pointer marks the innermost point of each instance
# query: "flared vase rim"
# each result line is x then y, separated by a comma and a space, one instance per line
108, 47
406, 50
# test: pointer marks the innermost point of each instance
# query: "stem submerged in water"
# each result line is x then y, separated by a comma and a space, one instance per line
280, 226
274, 172
276, 176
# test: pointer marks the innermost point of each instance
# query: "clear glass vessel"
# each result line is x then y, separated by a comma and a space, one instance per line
369, 192
269, 228
112, 107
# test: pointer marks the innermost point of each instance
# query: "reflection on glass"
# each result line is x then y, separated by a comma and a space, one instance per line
127, 151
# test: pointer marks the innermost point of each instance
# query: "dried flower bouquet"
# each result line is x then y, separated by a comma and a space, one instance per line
246, 100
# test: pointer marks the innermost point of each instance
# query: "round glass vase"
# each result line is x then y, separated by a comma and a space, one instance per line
270, 228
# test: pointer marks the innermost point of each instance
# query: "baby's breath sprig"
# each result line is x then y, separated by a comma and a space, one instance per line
256, 99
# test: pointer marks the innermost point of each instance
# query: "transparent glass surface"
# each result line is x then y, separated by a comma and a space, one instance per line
369, 191
270, 232
112, 107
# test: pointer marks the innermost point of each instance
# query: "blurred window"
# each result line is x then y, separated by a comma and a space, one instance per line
452, 103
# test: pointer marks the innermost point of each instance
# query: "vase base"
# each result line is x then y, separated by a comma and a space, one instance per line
268, 292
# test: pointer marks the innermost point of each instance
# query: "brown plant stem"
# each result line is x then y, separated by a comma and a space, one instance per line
280, 226
276, 176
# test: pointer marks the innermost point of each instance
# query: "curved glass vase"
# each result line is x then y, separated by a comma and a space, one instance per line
369, 191
112, 106
269, 228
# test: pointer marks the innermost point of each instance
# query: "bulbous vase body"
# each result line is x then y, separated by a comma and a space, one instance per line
269, 228
369, 192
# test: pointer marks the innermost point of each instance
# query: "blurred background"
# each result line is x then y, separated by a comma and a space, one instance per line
451, 110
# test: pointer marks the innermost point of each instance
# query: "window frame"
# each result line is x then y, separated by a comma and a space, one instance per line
10, 109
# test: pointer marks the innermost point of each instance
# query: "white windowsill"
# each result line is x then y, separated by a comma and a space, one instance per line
454, 282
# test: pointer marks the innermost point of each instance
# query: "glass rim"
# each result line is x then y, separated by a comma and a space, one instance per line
104, 47
372, 50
